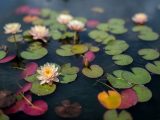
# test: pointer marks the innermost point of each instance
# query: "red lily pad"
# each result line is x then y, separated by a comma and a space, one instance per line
7, 59
19, 106
129, 99
92, 23
25, 88
30, 69
39, 107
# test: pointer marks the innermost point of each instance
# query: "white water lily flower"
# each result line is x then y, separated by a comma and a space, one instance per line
39, 33
76, 25
12, 28
48, 73
64, 18
140, 18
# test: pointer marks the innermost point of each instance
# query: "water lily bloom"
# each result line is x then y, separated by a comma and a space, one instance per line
89, 56
12, 28
76, 25
140, 18
64, 18
48, 74
39, 33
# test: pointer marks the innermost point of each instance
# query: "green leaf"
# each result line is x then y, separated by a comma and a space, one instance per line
116, 47
116, 22
103, 27
137, 76
65, 50
94, 71
45, 12
148, 36
110, 115
31, 78
2, 54
35, 54
124, 115
82, 19
42, 90
118, 30
3, 116
117, 80
68, 78
12, 38
141, 28
144, 94
149, 54
122, 59
154, 68
79, 48
68, 69
56, 35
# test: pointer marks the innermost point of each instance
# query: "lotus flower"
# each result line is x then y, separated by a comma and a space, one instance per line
48, 74
39, 33
12, 28
76, 25
64, 18
140, 18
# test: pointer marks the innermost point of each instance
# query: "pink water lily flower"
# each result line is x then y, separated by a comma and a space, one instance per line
64, 18
140, 18
76, 25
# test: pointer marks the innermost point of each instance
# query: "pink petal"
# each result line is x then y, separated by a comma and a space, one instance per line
30, 69
129, 99
89, 56
92, 23
39, 108
7, 59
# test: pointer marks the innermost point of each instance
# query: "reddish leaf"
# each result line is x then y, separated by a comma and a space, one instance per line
129, 99
30, 69
22, 9
92, 23
19, 106
39, 108
7, 59
34, 11
25, 88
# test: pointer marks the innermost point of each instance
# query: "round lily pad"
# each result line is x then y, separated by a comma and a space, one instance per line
65, 50
149, 54
148, 36
12, 38
42, 90
116, 21
117, 80
68, 78
144, 94
94, 71
116, 47
2, 54
154, 68
79, 49
56, 35
141, 28
122, 59
68, 69
31, 78
3, 116
137, 76
103, 27
35, 54
118, 30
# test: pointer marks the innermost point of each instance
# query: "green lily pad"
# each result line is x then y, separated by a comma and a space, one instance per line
34, 46
113, 115
12, 38
42, 90
103, 27
141, 28
148, 36
68, 69
116, 22
68, 78
144, 94
117, 80
3, 116
118, 30
149, 54
122, 59
137, 76
116, 47
45, 12
82, 19
31, 78
154, 68
35, 54
65, 50
79, 49
2, 54
56, 35
94, 71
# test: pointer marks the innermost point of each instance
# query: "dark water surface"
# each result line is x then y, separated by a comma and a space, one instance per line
82, 90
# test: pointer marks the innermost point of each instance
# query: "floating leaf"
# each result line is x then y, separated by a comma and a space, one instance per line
79, 49
94, 71
122, 59
68, 69
149, 54
103, 27
2, 54
12, 38
34, 55
124, 115
148, 36
3, 116
116, 22
139, 76
129, 99
117, 80
116, 47
118, 30
31, 78
42, 90
144, 94
39, 108
141, 28
7, 59
45, 12
65, 50
110, 100
154, 68
56, 35
68, 78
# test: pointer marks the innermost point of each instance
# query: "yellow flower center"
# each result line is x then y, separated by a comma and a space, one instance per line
48, 72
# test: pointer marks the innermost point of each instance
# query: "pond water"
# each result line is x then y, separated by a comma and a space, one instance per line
83, 89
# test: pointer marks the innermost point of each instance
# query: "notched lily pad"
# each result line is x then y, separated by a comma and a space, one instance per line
79, 49
65, 50
94, 71
154, 68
